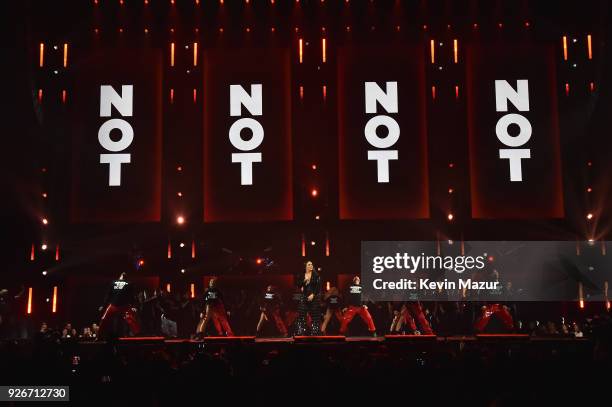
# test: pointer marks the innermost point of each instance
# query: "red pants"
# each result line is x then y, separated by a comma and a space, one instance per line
350, 313
219, 318
127, 314
488, 311
412, 311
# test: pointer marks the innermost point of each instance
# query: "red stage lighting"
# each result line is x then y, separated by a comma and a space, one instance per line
180, 220
589, 216
314, 193
258, 261
45, 221
141, 262
43, 246
41, 57
450, 216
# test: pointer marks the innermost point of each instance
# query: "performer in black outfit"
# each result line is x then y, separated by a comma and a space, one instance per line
119, 301
309, 284
332, 301
271, 310
214, 309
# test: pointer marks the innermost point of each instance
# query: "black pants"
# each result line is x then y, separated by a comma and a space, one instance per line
314, 309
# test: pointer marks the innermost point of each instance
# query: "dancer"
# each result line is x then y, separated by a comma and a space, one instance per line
332, 301
215, 310
409, 311
119, 302
309, 284
356, 306
497, 308
271, 309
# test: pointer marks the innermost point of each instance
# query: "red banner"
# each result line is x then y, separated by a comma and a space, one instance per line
247, 135
117, 138
382, 133
515, 162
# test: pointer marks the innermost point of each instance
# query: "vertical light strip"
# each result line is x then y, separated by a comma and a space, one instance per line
303, 246
171, 54
565, 47
432, 50
327, 244
589, 46
192, 290
195, 95
32, 253
456, 91
40, 95
172, 96
301, 50
433, 93
324, 50
455, 51
195, 54
41, 56
324, 93
29, 310
169, 255
168, 287
193, 249
54, 304
64, 96
65, 55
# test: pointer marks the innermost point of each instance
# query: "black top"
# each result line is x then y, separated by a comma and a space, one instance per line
120, 294
271, 300
333, 301
353, 296
213, 296
313, 286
